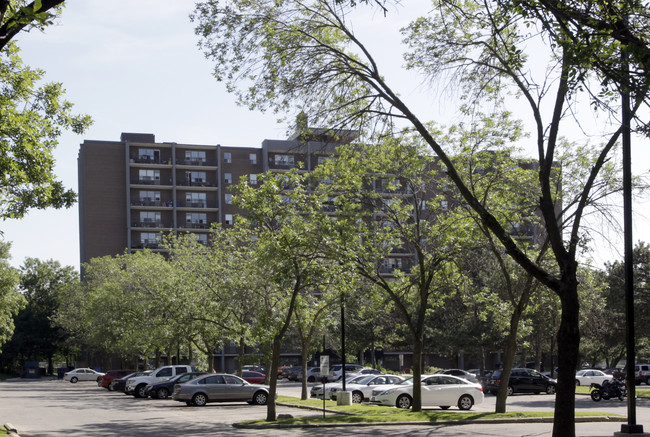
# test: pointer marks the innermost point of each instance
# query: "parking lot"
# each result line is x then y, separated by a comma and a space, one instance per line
57, 408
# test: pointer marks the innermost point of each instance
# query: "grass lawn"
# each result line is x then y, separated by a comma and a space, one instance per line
357, 413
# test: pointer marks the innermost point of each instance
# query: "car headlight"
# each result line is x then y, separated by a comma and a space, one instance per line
387, 392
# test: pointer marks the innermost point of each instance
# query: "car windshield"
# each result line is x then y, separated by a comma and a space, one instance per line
581, 372
365, 380
408, 381
354, 379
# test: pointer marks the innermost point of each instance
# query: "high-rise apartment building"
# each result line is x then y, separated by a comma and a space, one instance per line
133, 191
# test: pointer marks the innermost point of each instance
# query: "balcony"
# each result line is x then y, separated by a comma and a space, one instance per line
146, 181
146, 244
150, 224
149, 202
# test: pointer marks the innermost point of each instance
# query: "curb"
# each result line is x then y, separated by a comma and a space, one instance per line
442, 422
12, 430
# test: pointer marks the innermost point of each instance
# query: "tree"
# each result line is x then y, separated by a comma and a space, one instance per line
392, 231
18, 15
289, 248
289, 53
11, 302
37, 336
31, 118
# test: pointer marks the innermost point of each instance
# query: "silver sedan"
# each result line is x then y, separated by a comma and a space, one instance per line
220, 388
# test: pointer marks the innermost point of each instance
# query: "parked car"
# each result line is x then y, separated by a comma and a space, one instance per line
364, 371
293, 372
82, 374
523, 380
137, 385
437, 390
162, 390
220, 388
320, 390
113, 374
459, 373
616, 373
337, 371
120, 383
592, 376
313, 374
362, 389
253, 377
642, 373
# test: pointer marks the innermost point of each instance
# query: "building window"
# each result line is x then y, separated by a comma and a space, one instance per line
195, 177
149, 176
253, 179
145, 155
228, 178
229, 199
202, 239
284, 160
196, 220
196, 200
252, 157
227, 157
228, 219
194, 157
150, 198
149, 218
150, 239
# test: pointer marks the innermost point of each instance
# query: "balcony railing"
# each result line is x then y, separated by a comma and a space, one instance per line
196, 162
150, 224
195, 184
148, 202
147, 181
197, 225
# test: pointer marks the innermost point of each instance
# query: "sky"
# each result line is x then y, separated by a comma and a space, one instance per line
134, 66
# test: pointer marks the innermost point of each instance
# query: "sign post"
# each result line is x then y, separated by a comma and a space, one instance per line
324, 371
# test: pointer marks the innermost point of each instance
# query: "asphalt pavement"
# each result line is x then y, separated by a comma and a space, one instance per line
40, 408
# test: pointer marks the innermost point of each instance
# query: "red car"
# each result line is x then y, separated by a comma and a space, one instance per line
253, 377
113, 374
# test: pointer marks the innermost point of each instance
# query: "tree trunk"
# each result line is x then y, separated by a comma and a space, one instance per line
568, 342
508, 361
273, 380
417, 374
303, 362
240, 357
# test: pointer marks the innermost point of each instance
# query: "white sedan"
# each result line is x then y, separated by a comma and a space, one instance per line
82, 374
437, 391
591, 376
361, 389
317, 390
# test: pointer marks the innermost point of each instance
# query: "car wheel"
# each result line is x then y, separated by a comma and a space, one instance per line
577, 383
110, 388
647, 381
74, 379
550, 389
139, 391
357, 397
260, 398
465, 402
199, 400
510, 391
445, 407
404, 401
99, 380
162, 393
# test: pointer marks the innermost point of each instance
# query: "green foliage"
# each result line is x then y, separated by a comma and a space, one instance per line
32, 118
11, 302
37, 336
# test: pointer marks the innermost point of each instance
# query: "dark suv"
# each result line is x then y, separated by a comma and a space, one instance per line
642, 373
522, 380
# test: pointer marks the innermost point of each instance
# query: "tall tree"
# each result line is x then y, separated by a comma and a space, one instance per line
289, 247
289, 53
11, 302
32, 116
393, 232
37, 336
